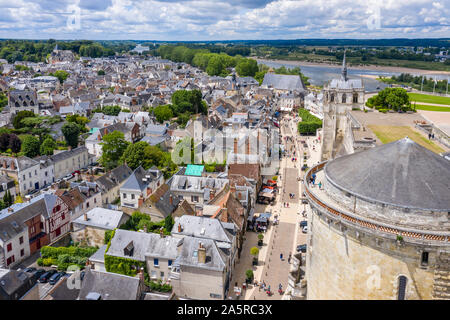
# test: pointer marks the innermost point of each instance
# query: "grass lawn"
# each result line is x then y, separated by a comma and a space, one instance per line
428, 98
388, 134
432, 108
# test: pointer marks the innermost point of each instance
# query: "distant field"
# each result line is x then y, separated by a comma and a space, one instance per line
432, 108
428, 98
388, 134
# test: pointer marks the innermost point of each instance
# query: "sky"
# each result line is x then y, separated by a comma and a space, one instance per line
192, 20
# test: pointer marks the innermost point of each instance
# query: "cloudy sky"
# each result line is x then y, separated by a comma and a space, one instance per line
223, 20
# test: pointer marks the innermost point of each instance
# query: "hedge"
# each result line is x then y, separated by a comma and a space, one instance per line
309, 123
158, 286
55, 252
125, 266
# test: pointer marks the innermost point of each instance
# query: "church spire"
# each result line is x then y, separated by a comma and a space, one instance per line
344, 69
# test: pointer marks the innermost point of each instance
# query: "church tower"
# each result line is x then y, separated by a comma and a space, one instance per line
340, 96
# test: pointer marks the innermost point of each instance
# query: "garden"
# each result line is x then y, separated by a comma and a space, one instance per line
63, 257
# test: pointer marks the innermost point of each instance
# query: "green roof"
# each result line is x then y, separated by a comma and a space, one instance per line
194, 170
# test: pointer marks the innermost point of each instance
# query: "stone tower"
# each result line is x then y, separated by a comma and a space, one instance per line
340, 96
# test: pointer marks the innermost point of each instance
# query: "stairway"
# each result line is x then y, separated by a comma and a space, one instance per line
441, 285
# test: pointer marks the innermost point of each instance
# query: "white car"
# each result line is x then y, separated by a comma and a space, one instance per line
68, 177
305, 229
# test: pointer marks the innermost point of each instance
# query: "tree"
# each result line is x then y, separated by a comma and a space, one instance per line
114, 146
247, 67
111, 110
31, 146
4, 142
215, 66
7, 199
17, 120
71, 131
134, 154
48, 146
61, 75
168, 223
100, 73
163, 113
3, 100
15, 144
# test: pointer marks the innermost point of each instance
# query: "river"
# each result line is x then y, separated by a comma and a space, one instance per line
319, 75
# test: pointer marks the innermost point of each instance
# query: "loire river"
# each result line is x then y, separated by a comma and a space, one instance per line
318, 75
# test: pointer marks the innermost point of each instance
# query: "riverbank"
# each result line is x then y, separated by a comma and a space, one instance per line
359, 67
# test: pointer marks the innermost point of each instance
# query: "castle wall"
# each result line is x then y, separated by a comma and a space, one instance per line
341, 266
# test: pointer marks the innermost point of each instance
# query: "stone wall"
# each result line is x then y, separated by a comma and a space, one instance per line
344, 263
89, 236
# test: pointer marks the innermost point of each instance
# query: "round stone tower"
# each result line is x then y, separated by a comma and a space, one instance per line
379, 226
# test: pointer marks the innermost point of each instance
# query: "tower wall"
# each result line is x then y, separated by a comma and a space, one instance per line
342, 264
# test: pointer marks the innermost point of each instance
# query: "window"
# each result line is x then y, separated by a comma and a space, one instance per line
58, 232
194, 198
355, 98
124, 195
87, 205
22, 252
424, 261
132, 196
21, 240
41, 225
344, 98
95, 200
156, 262
169, 262
402, 281
32, 229
63, 216
162, 274
35, 172
23, 177
29, 174
9, 247
153, 274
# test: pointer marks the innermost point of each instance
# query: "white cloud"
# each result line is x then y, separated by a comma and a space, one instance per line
222, 20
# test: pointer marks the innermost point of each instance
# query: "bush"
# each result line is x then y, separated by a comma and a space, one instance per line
260, 236
39, 262
254, 251
249, 274
309, 123
383, 110
159, 286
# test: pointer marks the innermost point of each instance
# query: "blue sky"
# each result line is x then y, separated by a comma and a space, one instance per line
223, 20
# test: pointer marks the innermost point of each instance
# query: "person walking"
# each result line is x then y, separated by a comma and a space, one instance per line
281, 256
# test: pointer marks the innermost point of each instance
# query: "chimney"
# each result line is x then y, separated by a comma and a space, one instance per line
13, 165
235, 146
201, 253
145, 228
4, 163
248, 145
171, 200
179, 227
140, 201
141, 275
85, 217
10, 209
212, 193
161, 232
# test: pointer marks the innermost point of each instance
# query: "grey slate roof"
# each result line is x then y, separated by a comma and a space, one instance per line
201, 227
110, 286
215, 258
400, 173
135, 182
101, 218
114, 178
283, 82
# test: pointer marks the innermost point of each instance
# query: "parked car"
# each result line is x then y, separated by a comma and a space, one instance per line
30, 270
46, 276
301, 248
55, 278
38, 273
303, 223
305, 229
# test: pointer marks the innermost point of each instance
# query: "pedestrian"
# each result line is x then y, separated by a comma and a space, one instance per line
281, 256
429, 136
432, 136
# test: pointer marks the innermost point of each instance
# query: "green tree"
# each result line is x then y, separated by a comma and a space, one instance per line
247, 67
111, 110
48, 146
134, 154
17, 120
61, 75
3, 100
71, 132
100, 73
113, 147
215, 66
31, 146
15, 144
163, 113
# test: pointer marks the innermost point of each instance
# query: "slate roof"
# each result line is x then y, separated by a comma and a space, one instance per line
110, 286
201, 227
101, 218
68, 154
283, 82
161, 200
400, 173
115, 177
215, 258
135, 182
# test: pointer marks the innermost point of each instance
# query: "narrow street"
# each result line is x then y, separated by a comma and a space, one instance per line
287, 235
